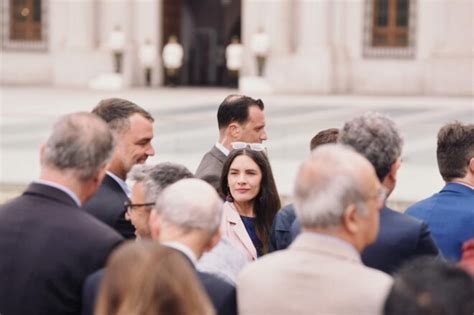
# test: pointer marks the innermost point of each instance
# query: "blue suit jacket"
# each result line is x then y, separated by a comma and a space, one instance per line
280, 236
400, 239
221, 293
450, 216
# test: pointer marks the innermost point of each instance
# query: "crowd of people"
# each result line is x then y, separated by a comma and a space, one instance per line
101, 232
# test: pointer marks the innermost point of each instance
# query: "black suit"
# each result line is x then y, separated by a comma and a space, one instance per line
107, 206
48, 246
401, 238
221, 293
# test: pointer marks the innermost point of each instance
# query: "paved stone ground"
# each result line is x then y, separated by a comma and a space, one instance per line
186, 128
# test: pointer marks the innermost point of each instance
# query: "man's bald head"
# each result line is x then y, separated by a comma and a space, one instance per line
190, 204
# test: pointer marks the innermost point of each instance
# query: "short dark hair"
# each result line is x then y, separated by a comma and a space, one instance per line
236, 108
455, 149
267, 201
428, 286
116, 111
324, 137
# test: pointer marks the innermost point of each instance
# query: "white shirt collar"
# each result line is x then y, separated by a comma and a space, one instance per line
182, 248
223, 149
121, 183
69, 192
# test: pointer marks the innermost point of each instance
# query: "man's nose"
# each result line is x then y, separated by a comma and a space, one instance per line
150, 151
263, 136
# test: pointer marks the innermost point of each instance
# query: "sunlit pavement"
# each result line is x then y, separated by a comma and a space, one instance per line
186, 128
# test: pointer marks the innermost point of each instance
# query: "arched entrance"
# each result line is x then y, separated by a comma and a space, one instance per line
204, 29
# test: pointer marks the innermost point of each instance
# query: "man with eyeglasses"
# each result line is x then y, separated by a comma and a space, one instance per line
241, 121
401, 237
148, 182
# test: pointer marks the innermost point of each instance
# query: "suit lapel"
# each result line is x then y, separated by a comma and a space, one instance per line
239, 229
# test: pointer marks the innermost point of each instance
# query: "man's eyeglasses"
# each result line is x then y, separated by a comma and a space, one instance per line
253, 146
129, 206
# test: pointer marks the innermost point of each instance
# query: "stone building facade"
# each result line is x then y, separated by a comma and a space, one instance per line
386, 47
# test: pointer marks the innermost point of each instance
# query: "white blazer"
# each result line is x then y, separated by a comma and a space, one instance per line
233, 228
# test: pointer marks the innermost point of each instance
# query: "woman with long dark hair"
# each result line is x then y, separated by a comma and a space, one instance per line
252, 200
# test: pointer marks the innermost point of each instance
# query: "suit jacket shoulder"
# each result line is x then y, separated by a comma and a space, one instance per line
210, 168
107, 205
318, 276
401, 238
280, 236
455, 201
51, 245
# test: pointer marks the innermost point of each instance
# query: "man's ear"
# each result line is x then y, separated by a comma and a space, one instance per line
350, 219
213, 241
234, 130
154, 223
471, 165
42, 148
394, 169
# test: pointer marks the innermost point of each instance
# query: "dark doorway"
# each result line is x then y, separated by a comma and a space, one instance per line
204, 29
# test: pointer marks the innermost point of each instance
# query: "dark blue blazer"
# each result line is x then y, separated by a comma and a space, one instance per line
107, 206
280, 236
401, 238
221, 293
450, 216
48, 246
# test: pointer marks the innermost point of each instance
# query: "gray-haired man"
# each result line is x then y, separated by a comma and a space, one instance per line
47, 243
338, 205
401, 237
187, 216
149, 181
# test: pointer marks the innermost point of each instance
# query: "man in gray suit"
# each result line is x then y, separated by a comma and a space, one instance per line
240, 119
337, 200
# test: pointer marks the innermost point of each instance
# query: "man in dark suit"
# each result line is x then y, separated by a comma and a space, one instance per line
401, 237
48, 244
193, 230
240, 119
450, 213
133, 130
186, 217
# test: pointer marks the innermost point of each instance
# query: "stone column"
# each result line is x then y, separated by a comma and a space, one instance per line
73, 41
449, 56
313, 60
81, 26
